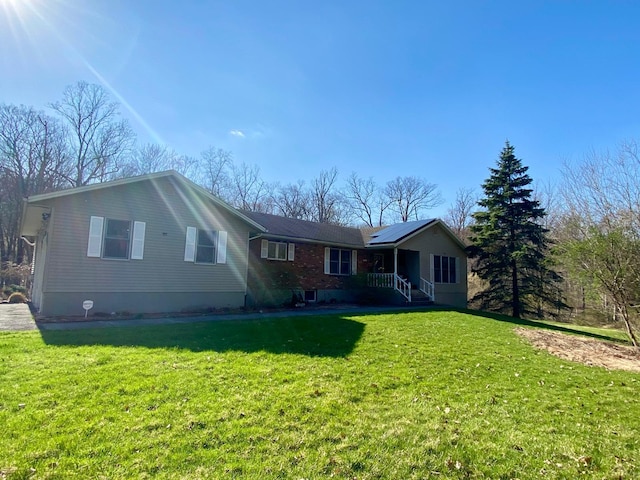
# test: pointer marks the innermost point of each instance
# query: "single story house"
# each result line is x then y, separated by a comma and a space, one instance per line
313, 262
160, 243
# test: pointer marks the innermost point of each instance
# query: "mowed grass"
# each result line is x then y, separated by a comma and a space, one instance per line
434, 394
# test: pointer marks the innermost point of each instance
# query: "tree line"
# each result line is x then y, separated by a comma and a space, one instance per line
82, 139
566, 249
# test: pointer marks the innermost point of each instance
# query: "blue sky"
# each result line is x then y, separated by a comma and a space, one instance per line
382, 88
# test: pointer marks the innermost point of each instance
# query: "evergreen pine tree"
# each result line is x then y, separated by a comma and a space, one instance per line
510, 245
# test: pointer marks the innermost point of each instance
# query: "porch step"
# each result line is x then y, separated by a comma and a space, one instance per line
419, 298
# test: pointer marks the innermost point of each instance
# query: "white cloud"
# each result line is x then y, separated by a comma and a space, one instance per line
237, 133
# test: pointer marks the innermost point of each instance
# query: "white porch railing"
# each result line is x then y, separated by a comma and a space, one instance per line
427, 288
404, 287
380, 280
390, 280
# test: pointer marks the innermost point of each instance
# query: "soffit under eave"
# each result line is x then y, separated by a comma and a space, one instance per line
381, 246
32, 219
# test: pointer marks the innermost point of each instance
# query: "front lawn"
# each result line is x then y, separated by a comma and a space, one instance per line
407, 395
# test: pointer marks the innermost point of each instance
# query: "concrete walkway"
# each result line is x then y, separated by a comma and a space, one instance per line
16, 316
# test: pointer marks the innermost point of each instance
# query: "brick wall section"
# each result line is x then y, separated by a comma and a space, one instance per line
306, 272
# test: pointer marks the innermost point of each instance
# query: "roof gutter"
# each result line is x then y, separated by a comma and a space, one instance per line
286, 238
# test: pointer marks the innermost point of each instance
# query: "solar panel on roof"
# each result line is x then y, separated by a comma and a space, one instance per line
398, 231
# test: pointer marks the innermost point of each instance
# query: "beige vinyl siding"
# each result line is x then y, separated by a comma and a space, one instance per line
166, 212
435, 241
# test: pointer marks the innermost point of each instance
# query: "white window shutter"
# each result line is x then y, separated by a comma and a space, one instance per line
190, 245
264, 249
327, 256
94, 247
137, 246
221, 253
354, 262
292, 252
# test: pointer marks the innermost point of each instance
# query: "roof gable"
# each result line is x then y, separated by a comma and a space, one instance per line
35, 205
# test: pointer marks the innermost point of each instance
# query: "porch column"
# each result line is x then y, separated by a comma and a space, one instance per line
395, 261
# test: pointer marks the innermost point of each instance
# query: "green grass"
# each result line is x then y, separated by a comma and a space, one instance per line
437, 394
613, 335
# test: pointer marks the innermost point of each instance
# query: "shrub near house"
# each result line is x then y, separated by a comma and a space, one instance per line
17, 297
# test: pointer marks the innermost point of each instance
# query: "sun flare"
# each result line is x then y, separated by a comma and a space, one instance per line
15, 7
17, 17
41, 32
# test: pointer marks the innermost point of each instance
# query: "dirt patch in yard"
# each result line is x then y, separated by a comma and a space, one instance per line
584, 350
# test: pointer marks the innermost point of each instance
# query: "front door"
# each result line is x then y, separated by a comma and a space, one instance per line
409, 266
378, 263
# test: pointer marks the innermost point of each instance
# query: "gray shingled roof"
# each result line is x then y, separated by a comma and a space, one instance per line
292, 228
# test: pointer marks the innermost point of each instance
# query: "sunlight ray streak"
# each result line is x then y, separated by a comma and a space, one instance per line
205, 217
16, 24
152, 133
99, 77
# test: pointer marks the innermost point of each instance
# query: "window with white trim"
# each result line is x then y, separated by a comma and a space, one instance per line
114, 239
277, 250
338, 261
444, 269
205, 246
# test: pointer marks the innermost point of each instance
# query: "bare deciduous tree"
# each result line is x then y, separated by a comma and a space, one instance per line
601, 240
149, 158
548, 195
98, 139
248, 190
216, 164
32, 155
458, 216
187, 166
605, 187
366, 201
410, 196
293, 201
325, 199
